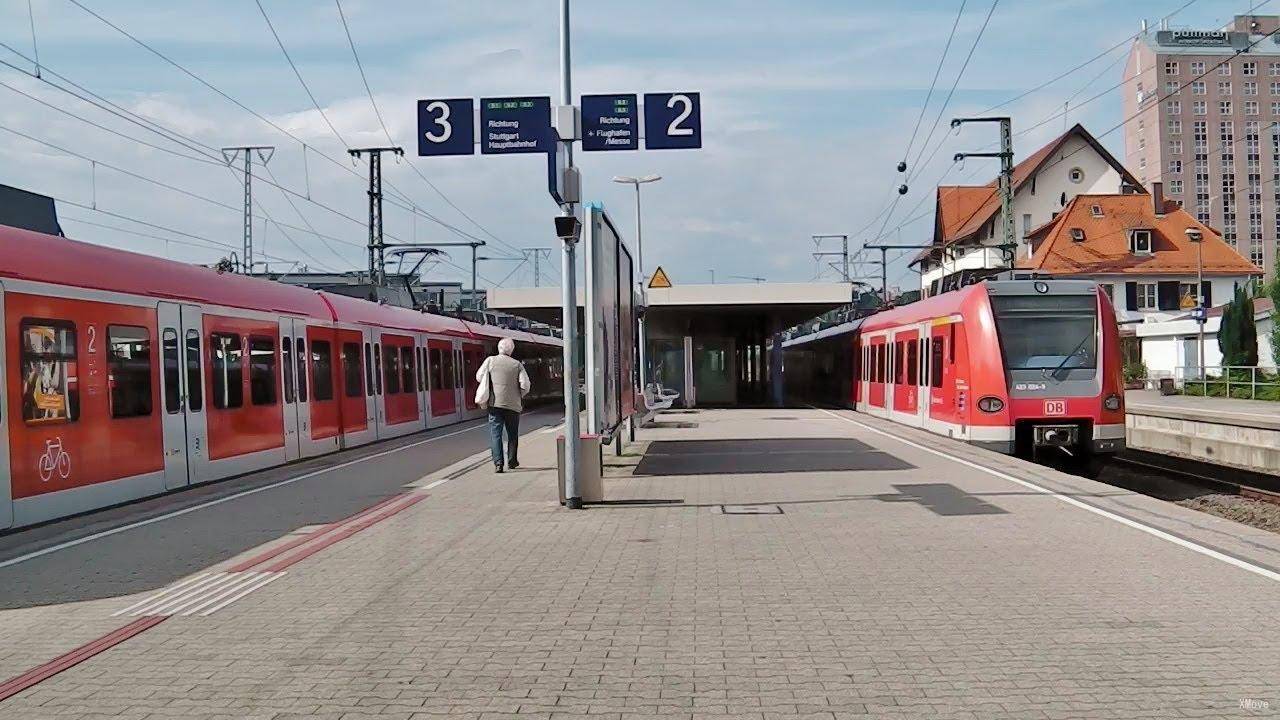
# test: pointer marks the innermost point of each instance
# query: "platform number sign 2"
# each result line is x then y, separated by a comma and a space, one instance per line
672, 121
446, 127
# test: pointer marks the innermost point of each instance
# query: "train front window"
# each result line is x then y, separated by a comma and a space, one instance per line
1047, 332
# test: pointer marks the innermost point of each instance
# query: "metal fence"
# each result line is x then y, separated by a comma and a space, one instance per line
1253, 383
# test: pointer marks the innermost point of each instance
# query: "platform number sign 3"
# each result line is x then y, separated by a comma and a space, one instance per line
672, 121
446, 127
1055, 407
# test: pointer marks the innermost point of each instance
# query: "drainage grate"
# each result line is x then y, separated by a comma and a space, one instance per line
750, 509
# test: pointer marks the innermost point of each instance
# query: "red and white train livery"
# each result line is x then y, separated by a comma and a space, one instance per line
1011, 365
127, 376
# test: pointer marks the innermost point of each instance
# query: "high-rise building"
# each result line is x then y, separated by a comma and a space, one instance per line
1203, 110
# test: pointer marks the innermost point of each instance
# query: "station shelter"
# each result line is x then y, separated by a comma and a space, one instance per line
712, 343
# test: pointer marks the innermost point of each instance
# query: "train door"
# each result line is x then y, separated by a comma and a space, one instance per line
472, 357
876, 387
182, 393
923, 396
6, 489
354, 402
905, 366
289, 394
441, 376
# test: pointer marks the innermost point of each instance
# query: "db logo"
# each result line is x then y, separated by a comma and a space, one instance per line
1055, 407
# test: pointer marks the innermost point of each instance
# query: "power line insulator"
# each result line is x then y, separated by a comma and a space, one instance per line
902, 189
902, 166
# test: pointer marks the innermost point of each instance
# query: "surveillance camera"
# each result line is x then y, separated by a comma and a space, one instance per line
567, 227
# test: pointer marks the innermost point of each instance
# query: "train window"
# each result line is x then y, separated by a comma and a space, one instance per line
322, 370
129, 370
262, 370
406, 368
172, 371
351, 384
228, 370
912, 362
50, 390
448, 374
951, 346
286, 348
935, 372
897, 363
300, 355
377, 374
925, 345
437, 380
368, 370
195, 382
391, 368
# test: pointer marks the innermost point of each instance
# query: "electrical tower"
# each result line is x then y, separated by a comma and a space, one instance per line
536, 254
230, 154
377, 248
1009, 246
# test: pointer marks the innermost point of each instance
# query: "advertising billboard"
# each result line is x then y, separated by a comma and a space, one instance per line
611, 325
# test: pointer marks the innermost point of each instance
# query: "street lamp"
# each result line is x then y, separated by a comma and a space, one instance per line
644, 340
1197, 237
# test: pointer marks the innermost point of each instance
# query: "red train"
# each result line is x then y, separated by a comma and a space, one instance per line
1010, 365
127, 376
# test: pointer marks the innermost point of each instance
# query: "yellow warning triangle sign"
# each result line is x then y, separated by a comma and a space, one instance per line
659, 279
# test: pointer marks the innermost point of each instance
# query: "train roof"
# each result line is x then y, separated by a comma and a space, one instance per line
62, 261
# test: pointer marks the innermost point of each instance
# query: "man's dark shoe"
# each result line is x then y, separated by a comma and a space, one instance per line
513, 465
497, 469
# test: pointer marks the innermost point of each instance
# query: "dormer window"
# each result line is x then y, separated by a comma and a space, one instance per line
1077, 235
1140, 242
1096, 210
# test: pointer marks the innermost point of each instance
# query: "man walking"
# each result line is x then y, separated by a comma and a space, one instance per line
503, 382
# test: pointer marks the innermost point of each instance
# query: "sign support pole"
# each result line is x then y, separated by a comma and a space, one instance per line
569, 296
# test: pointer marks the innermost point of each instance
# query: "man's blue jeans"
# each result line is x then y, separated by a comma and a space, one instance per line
501, 419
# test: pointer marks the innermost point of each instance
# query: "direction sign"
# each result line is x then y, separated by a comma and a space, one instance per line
446, 127
610, 122
672, 121
515, 125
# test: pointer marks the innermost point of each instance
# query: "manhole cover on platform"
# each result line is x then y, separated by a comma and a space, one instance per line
751, 509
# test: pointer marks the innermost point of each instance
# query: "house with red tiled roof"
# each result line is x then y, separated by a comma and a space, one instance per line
1137, 248
967, 228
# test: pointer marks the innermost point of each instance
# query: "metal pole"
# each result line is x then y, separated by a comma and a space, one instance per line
473, 277
1200, 296
844, 253
569, 297
644, 368
1006, 192
248, 211
884, 276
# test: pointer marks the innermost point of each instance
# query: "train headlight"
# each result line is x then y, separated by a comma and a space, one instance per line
1112, 403
990, 404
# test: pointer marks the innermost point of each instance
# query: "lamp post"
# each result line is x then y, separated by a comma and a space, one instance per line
1197, 237
644, 340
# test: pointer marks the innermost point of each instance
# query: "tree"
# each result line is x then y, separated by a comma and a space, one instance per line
1273, 292
1237, 333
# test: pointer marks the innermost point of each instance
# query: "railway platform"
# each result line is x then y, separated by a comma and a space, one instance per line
745, 564
1235, 433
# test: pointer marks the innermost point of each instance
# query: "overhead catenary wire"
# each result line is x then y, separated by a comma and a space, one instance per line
937, 71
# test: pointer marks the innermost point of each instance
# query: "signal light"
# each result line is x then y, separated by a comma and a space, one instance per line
990, 404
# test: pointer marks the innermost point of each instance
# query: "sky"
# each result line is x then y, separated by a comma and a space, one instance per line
807, 108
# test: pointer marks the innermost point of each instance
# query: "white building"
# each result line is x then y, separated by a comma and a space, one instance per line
967, 231
1172, 344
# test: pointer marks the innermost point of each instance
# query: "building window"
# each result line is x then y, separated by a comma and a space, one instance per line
1273, 69
1187, 293
1174, 126
1275, 107
1175, 167
1198, 87
1250, 88
1095, 210
1175, 187
1250, 107
1249, 68
1175, 147
228, 370
1170, 68
262, 370
50, 391
1142, 142
1224, 87
1140, 242
1199, 108
1171, 87
1173, 107
1224, 107
1147, 296
1026, 224
1076, 175
1197, 67
1224, 69
1142, 165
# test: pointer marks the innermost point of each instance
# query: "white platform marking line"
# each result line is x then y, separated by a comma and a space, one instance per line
234, 496
170, 605
235, 582
250, 578
1195, 547
162, 593
150, 608
271, 577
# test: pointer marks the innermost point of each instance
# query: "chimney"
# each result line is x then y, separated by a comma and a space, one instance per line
1157, 198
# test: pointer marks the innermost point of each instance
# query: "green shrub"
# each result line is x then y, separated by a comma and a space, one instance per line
1135, 370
